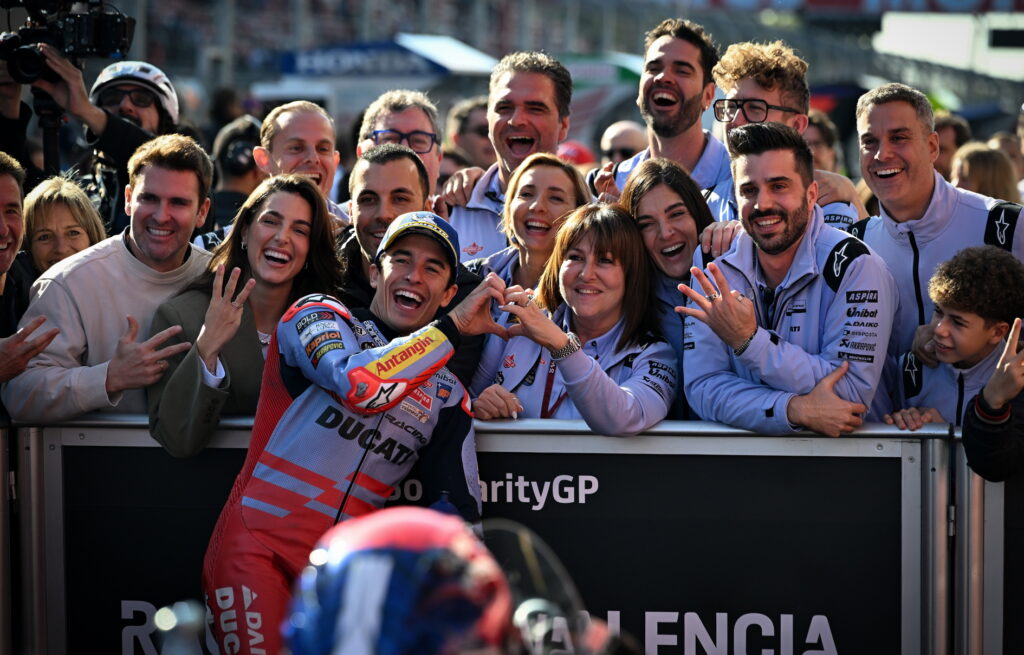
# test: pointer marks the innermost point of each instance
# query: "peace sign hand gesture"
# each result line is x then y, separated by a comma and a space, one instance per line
727, 312
1008, 379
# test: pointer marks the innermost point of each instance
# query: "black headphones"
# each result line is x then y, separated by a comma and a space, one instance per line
235, 154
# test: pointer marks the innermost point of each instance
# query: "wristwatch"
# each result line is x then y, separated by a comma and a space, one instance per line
569, 348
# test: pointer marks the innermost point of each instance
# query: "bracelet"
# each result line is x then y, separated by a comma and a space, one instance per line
990, 414
743, 346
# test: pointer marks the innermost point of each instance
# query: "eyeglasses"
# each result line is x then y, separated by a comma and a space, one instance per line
421, 142
479, 130
754, 110
112, 97
620, 153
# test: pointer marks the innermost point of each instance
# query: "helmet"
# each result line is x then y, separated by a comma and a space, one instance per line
402, 580
143, 74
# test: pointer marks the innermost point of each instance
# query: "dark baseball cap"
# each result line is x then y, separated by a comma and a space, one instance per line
427, 223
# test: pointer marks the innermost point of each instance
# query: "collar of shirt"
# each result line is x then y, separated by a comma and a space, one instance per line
936, 219
487, 193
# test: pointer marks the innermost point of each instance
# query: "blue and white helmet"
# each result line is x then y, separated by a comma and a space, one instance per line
143, 74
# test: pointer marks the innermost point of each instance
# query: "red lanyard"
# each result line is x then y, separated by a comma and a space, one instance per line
545, 411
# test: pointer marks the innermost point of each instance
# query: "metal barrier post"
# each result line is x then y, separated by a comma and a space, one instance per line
992, 566
969, 547
6, 633
935, 551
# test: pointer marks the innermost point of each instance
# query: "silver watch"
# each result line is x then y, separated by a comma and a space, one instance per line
569, 348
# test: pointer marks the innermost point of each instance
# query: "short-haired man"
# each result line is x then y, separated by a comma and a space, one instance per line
299, 137
386, 182
622, 140
953, 132
792, 331
527, 112
923, 219
352, 399
468, 131
104, 297
404, 117
768, 82
15, 348
676, 87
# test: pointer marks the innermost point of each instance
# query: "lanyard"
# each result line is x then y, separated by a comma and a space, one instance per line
545, 410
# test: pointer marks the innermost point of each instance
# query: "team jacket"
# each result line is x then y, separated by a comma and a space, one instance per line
477, 223
344, 415
836, 302
955, 219
617, 392
995, 448
945, 387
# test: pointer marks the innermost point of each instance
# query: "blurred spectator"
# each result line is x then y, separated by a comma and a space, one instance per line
1011, 146
454, 160
237, 172
577, 154
978, 168
225, 106
621, 140
468, 131
823, 139
953, 132
59, 221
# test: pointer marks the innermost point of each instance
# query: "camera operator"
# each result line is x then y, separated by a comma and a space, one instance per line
130, 103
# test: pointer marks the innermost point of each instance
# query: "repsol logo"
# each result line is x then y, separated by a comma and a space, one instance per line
563, 489
415, 349
862, 313
352, 430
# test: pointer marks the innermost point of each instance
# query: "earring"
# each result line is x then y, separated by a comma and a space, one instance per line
243, 246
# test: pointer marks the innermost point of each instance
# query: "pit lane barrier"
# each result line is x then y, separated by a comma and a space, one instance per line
690, 535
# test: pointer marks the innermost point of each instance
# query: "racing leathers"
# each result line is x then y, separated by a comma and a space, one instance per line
616, 391
955, 219
836, 302
945, 387
345, 413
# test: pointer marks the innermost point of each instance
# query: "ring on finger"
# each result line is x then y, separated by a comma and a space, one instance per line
529, 298
235, 305
714, 296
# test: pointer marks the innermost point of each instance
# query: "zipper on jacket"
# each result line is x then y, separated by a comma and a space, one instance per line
959, 399
917, 279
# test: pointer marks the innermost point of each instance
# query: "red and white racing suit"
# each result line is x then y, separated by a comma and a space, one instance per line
344, 415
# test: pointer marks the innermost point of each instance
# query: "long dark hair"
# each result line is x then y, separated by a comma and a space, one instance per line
322, 270
658, 171
613, 231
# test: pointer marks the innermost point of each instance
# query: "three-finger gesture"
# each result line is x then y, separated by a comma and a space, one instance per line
223, 316
139, 364
1007, 380
727, 312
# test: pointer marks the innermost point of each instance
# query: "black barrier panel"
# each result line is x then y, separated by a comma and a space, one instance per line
137, 522
709, 541
1013, 564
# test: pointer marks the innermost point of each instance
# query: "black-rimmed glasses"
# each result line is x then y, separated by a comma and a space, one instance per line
421, 142
112, 97
754, 110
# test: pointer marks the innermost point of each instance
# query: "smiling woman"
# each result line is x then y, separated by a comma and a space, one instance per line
280, 249
587, 344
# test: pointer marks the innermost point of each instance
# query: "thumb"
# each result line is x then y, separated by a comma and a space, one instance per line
829, 381
133, 330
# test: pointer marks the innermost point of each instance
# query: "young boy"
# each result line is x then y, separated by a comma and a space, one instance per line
977, 294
